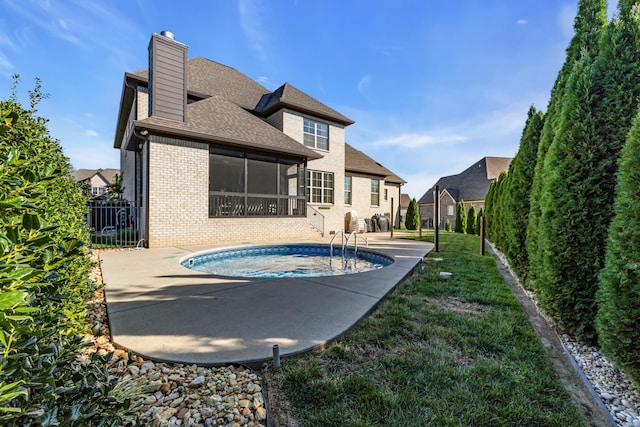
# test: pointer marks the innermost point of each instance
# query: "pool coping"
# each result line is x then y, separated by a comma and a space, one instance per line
166, 312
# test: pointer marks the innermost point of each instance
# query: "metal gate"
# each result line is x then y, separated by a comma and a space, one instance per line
114, 224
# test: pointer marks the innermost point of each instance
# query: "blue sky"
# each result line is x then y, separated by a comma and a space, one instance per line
433, 85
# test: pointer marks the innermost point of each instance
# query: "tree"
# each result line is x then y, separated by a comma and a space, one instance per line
412, 219
589, 22
516, 204
579, 174
115, 189
479, 219
618, 296
461, 218
562, 286
447, 225
471, 220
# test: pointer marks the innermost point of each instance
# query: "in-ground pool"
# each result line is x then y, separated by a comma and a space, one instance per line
282, 261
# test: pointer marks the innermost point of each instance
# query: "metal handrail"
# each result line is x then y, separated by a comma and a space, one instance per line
355, 241
341, 232
315, 213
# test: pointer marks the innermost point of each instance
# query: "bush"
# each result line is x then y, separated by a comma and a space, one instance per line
44, 284
461, 218
471, 220
411, 222
447, 225
618, 296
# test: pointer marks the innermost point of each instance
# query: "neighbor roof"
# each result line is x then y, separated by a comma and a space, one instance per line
108, 175
471, 184
357, 161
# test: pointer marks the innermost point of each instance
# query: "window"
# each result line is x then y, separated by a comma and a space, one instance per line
347, 190
96, 191
450, 210
248, 183
320, 189
385, 194
375, 192
316, 134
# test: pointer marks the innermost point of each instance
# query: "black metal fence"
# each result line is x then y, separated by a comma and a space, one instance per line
114, 224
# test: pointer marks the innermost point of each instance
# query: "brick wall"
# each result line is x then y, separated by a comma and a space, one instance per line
179, 202
332, 161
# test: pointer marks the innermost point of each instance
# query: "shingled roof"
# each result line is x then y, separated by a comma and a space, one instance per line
207, 79
217, 119
357, 161
289, 96
471, 184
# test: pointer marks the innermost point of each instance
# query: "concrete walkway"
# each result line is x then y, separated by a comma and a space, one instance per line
163, 311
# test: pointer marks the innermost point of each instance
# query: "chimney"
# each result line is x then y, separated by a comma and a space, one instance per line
167, 77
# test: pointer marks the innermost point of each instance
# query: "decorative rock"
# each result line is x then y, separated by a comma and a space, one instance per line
244, 403
261, 414
606, 396
446, 274
197, 381
182, 413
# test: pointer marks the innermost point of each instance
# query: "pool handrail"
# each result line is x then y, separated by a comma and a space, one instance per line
341, 232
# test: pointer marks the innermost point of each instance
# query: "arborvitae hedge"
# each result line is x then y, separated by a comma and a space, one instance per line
563, 287
618, 296
412, 219
589, 22
461, 218
478, 219
447, 225
519, 179
471, 220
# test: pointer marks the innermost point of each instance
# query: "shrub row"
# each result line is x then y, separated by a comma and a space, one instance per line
44, 284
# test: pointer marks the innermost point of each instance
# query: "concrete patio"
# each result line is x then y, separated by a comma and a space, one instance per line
166, 312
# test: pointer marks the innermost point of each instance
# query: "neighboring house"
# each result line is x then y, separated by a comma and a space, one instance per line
470, 186
95, 181
405, 200
208, 154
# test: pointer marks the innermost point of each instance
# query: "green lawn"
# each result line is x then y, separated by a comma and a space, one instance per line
436, 352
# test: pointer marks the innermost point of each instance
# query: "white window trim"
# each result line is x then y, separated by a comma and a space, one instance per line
372, 192
314, 134
323, 187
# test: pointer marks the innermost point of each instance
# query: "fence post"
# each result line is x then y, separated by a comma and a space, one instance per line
436, 217
482, 235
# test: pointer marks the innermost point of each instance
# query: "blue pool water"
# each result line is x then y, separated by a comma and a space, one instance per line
286, 261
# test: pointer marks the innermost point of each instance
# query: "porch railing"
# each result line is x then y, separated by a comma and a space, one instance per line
224, 204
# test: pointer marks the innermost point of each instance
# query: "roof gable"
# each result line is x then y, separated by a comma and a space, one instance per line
289, 96
471, 184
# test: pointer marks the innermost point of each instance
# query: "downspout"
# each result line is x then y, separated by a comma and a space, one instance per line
144, 136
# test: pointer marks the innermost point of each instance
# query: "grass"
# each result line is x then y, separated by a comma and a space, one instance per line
436, 352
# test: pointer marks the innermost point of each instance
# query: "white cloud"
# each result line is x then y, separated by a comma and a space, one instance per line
522, 22
416, 140
251, 20
364, 83
91, 133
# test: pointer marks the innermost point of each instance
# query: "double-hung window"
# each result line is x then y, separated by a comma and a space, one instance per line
375, 192
347, 190
316, 134
320, 188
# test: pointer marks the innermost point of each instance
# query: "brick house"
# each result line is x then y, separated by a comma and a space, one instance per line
470, 186
210, 155
95, 181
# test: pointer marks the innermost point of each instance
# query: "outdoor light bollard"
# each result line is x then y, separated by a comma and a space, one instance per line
276, 356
